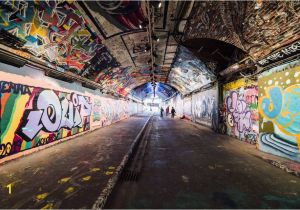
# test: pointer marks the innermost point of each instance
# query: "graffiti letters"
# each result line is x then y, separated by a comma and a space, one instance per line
9, 87
238, 113
50, 113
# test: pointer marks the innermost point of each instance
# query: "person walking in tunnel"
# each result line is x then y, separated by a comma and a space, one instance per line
161, 112
167, 111
173, 112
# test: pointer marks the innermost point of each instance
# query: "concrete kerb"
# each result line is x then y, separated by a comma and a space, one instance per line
105, 193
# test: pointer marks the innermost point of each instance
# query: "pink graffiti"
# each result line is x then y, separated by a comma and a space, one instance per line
238, 113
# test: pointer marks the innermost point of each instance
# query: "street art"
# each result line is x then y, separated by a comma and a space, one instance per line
241, 101
116, 17
53, 30
106, 111
279, 111
33, 116
188, 73
138, 47
204, 107
187, 107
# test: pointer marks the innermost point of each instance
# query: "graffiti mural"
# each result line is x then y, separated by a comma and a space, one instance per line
187, 107
241, 101
188, 72
279, 111
115, 17
204, 107
55, 31
107, 111
33, 116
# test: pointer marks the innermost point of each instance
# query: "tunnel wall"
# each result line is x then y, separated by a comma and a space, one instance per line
205, 107
187, 107
240, 99
279, 111
37, 110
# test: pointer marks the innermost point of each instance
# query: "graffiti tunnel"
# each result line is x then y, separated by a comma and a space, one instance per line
149, 104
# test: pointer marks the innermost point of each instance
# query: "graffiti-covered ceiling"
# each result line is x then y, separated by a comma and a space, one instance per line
106, 42
121, 45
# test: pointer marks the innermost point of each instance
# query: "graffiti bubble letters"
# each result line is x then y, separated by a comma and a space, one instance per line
50, 113
238, 113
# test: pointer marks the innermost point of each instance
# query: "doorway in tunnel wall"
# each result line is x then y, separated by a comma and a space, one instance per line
240, 102
279, 111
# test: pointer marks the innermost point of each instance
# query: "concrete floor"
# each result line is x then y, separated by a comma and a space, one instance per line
188, 167
71, 174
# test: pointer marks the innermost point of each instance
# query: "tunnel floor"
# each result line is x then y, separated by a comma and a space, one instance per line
189, 166
185, 166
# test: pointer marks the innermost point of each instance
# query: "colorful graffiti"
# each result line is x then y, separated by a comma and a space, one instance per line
204, 107
115, 17
33, 116
279, 109
241, 100
187, 107
107, 111
188, 73
52, 30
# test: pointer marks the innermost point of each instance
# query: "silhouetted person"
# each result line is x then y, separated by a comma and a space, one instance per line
167, 111
173, 112
161, 112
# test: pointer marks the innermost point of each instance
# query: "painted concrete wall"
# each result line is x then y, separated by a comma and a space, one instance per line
205, 107
240, 102
37, 110
187, 107
279, 111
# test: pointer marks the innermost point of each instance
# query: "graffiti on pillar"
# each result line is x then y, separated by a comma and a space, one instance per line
33, 116
204, 107
241, 99
279, 109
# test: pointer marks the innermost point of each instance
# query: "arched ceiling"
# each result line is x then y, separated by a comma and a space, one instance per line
162, 90
108, 43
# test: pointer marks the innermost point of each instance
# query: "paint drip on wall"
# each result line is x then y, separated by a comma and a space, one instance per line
240, 101
279, 111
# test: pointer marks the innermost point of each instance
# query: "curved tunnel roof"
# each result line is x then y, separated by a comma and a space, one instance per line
108, 42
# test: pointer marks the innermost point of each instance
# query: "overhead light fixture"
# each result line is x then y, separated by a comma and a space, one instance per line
159, 5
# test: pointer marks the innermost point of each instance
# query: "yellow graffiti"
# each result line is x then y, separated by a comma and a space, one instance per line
109, 173
94, 169
48, 206
42, 196
238, 84
86, 178
69, 190
64, 180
